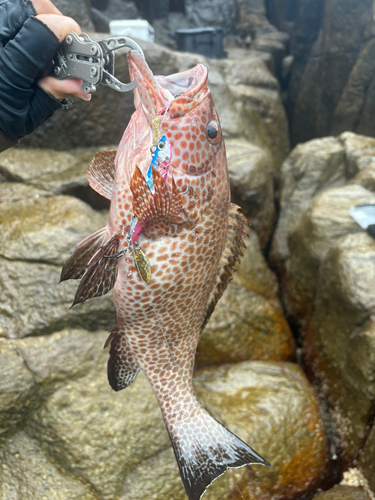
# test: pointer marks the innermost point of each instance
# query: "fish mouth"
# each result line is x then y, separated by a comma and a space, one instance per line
178, 93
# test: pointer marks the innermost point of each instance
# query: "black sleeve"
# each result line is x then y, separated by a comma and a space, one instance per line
23, 105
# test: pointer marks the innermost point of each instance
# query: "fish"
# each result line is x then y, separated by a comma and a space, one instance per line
165, 285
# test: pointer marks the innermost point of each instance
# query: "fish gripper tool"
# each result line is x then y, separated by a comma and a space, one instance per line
92, 62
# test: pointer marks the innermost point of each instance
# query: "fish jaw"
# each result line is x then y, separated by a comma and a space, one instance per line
148, 92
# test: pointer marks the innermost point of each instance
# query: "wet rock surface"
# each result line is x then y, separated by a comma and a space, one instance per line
74, 431
248, 322
343, 493
326, 264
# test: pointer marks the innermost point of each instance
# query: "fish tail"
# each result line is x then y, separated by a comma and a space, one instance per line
205, 449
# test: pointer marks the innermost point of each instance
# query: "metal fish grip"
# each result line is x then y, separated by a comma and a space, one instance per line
92, 62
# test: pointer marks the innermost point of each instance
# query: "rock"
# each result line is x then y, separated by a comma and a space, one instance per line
367, 459
45, 229
248, 321
246, 96
310, 238
354, 106
15, 191
119, 9
37, 236
342, 52
339, 347
245, 326
343, 493
251, 179
79, 10
73, 430
27, 473
16, 389
201, 13
353, 477
54, 171
308, 170
359, 152
284, 427
282, 13
100, 21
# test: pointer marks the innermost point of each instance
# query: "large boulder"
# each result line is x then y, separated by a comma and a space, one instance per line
308, 170
74, 431
332, 78
310, 239
252, 185
38, 233
339, 346
248, 322
299, 457
246, 96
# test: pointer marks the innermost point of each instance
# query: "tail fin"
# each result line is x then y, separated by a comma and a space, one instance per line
205, 449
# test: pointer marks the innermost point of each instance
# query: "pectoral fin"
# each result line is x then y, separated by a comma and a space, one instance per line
101, 173
101, 273
74, 268
148, 207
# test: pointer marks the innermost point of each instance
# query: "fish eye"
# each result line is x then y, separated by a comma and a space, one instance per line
162, 145
213, 132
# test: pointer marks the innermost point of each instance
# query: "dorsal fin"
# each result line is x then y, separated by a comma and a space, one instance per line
101, 272
74, 268
122, 366
232, 254
101, 172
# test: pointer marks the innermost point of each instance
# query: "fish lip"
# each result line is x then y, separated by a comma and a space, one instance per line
158, 93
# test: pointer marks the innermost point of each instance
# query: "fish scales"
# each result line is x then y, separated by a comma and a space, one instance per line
192, 237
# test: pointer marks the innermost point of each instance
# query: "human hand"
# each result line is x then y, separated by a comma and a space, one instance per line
27, 46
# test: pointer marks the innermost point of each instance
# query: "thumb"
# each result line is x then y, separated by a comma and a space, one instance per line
60, 89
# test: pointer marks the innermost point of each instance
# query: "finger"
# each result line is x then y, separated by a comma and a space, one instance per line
60, 89
45, 7
12, 16
59, 25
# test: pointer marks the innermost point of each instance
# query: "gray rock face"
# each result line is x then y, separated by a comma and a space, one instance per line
251, 180
332, 83
308, 170
79, 10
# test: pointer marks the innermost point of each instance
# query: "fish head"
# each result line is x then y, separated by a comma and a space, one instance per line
179, 107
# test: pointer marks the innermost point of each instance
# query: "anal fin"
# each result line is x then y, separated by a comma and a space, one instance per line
101, 273
231, 254
74, 268
122, 366
101, 172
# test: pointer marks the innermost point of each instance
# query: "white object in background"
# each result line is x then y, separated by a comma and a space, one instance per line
364, 215
133, 28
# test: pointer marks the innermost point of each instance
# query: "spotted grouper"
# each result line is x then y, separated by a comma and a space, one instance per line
168, 252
